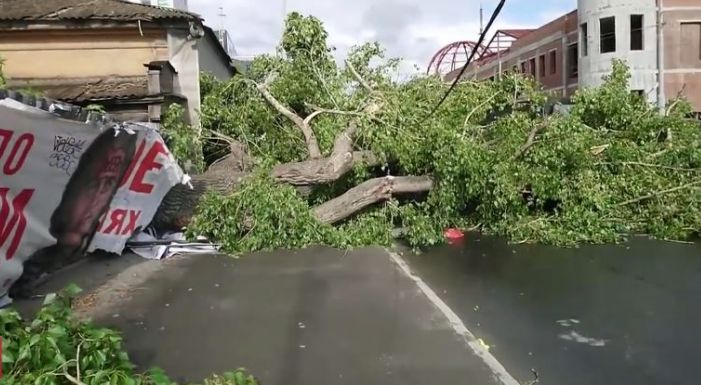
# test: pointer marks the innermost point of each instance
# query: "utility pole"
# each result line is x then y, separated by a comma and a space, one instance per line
222, 15
660, 58
481, 19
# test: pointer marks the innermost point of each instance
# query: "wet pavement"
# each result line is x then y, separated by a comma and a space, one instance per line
623, 314
316, 316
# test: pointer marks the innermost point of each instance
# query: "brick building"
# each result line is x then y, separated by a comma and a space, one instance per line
659, 39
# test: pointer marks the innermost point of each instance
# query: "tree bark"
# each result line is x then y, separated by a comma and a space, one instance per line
178, 206
368, 193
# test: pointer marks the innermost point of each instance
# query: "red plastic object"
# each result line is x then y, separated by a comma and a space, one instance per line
454, 235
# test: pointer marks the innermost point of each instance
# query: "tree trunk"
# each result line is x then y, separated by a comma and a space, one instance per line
178, 206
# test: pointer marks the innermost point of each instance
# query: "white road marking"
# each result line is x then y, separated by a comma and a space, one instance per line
576, 337
456, 323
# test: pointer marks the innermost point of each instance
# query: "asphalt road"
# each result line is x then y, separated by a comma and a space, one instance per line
316, 316
484, 312
626, 314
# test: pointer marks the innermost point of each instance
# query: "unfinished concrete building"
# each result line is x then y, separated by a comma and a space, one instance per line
659, 39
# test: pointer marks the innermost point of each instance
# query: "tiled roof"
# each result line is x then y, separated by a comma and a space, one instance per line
79, 90
63, 10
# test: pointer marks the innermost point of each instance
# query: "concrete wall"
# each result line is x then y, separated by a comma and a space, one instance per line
680, 53
185, 59
681, 35
643, 64
81, 53
211, 58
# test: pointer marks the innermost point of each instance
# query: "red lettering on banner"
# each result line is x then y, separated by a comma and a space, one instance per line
116, 221
101, 222
149, 163
5, 136
133, 221
132, 164
121, 222
13, 222
18, 153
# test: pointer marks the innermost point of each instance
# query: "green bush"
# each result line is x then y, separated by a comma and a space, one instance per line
55, 348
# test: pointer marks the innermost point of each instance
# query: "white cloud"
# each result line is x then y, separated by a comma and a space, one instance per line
411, 29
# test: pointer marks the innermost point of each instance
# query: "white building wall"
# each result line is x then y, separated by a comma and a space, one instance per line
643, 64
184, 57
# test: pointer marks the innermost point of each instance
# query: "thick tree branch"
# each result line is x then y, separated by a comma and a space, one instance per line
658, 193
309, 137
318, 111
326, 170
529, 142
368, 193
650, 165
359, 78
238, 158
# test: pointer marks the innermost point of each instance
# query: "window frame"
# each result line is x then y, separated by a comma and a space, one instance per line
552, 60
532, 66
609, 37
572, 48
694, 61
640, 33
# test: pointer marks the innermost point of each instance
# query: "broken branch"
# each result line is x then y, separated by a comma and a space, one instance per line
650, 165
658, 193
318, 111
529, 143
309, 137
359, 78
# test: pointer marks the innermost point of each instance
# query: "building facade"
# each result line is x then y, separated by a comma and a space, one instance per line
659, 39
132, 59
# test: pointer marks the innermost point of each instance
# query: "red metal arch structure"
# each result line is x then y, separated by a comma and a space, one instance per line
454, 55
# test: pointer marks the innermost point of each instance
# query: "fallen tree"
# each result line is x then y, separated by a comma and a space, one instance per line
319, 153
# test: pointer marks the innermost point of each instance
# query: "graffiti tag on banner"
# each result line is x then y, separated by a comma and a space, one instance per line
58, 178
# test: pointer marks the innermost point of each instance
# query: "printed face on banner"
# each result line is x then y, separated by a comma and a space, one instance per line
149, 177
91, 187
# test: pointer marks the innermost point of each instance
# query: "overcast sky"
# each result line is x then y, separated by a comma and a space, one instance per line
411, 29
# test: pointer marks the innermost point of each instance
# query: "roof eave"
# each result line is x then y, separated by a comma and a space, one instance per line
93, 23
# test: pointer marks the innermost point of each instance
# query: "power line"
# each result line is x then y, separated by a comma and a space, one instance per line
480, 41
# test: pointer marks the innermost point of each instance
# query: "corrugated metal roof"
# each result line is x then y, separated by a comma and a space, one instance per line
63, 10
79, 90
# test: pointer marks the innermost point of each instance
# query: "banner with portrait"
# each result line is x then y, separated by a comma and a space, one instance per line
61, 179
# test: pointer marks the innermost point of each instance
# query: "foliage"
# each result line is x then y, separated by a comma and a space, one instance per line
182, 140
612, 167
96, 108
3, 81
243, 221
57, 349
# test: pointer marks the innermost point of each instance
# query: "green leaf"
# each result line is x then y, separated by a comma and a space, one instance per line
72, 290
